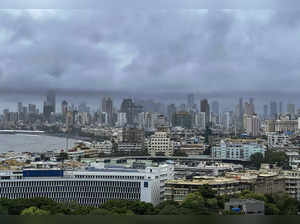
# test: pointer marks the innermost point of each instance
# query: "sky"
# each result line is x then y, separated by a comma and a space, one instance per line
154, 53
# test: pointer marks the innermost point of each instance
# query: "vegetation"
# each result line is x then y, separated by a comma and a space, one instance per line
205, 201
271, 157
256, 159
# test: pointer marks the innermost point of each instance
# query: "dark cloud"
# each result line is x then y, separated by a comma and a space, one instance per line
149, 52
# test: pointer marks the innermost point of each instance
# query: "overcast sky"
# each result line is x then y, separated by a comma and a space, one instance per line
153, 52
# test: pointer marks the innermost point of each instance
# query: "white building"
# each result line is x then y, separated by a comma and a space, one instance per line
252, 125
234, 151
277, 140
200, 120
294, 159
145, 120
103, 147
90, 188
292, 183
121, 120
160, 143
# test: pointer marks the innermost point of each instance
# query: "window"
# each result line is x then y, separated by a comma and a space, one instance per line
145, 184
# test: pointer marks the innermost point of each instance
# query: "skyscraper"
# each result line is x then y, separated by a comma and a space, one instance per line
204, 107
20, 107
64, 109
51, 100
241, 109
171, 109
291, 109
49, 105
131, 110
252, 106
107, 107
265, 112
273, 110
251, 125
190, 101
215, 107
32, 109
280, 108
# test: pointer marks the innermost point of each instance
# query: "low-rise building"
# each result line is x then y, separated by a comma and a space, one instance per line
177, 190
246, 206
90, 187
277, 140
236, 151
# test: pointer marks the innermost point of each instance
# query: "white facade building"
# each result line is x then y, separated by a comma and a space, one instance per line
121, 120
160, 143
277, 140
103, 147
90, 188
200, 120
233, 151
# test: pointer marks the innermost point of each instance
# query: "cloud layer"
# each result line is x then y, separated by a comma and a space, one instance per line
149, 52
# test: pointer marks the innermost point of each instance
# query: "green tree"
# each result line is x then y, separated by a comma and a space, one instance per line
3, 210
170, 210
100, 211
137, 207
34, 211
207, 133
256, 159
207, 192
278, 158
271, 209
195, 203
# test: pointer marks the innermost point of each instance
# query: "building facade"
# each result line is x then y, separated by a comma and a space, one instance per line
160, 144
90, 188
236, 151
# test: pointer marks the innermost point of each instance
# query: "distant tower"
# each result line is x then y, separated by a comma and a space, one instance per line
280, 108
107, 107
273, 110
204, 107
190, 101
215, 107
64, 109
265, 112
51, 100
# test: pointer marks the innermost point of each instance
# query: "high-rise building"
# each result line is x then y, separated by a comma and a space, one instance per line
64, 109
20, 107
121, 120
131, 110
273, 110
182, 119
204, 107
133, 135
51, 100
280, 108
182, 107
32, 109
241, 110
265, 112
190, 101
171, 109
291, 109
251, 124
252, 106
200, 120
215, 107
107, 106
